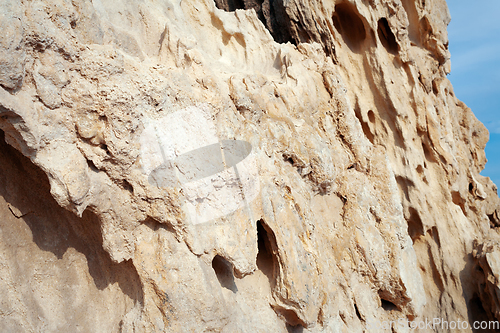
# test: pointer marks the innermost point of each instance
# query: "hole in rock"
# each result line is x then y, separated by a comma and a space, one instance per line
105, 148
478, 313
420, 169
349, 24
471, 188
366, 128
386, 36
230, 5
371, 116
415, 225
388, 305
288, 158
271, 13
294, 329
224, 271
435, 88
127, 186
266, 260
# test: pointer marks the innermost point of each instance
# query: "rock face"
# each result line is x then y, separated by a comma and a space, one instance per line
239, 166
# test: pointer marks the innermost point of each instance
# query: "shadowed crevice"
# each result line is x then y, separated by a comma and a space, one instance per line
51, 228
266, 257
386, 36
349, 24
271, 13
224, 271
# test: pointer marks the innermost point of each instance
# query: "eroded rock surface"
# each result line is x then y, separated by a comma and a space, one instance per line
350, 196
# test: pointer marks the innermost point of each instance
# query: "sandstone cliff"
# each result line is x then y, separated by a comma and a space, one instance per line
348, 191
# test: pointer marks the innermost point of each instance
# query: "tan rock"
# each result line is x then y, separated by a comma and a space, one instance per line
239, 166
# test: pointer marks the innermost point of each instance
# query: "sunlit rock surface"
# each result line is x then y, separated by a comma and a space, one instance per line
239, 166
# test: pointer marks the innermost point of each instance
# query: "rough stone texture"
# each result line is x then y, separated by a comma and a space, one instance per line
56, 277
368, 203
12, 55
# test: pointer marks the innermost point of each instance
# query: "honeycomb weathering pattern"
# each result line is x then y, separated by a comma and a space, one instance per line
183, 150
370, 197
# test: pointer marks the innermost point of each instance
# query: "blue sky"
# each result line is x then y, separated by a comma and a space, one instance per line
474, 34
